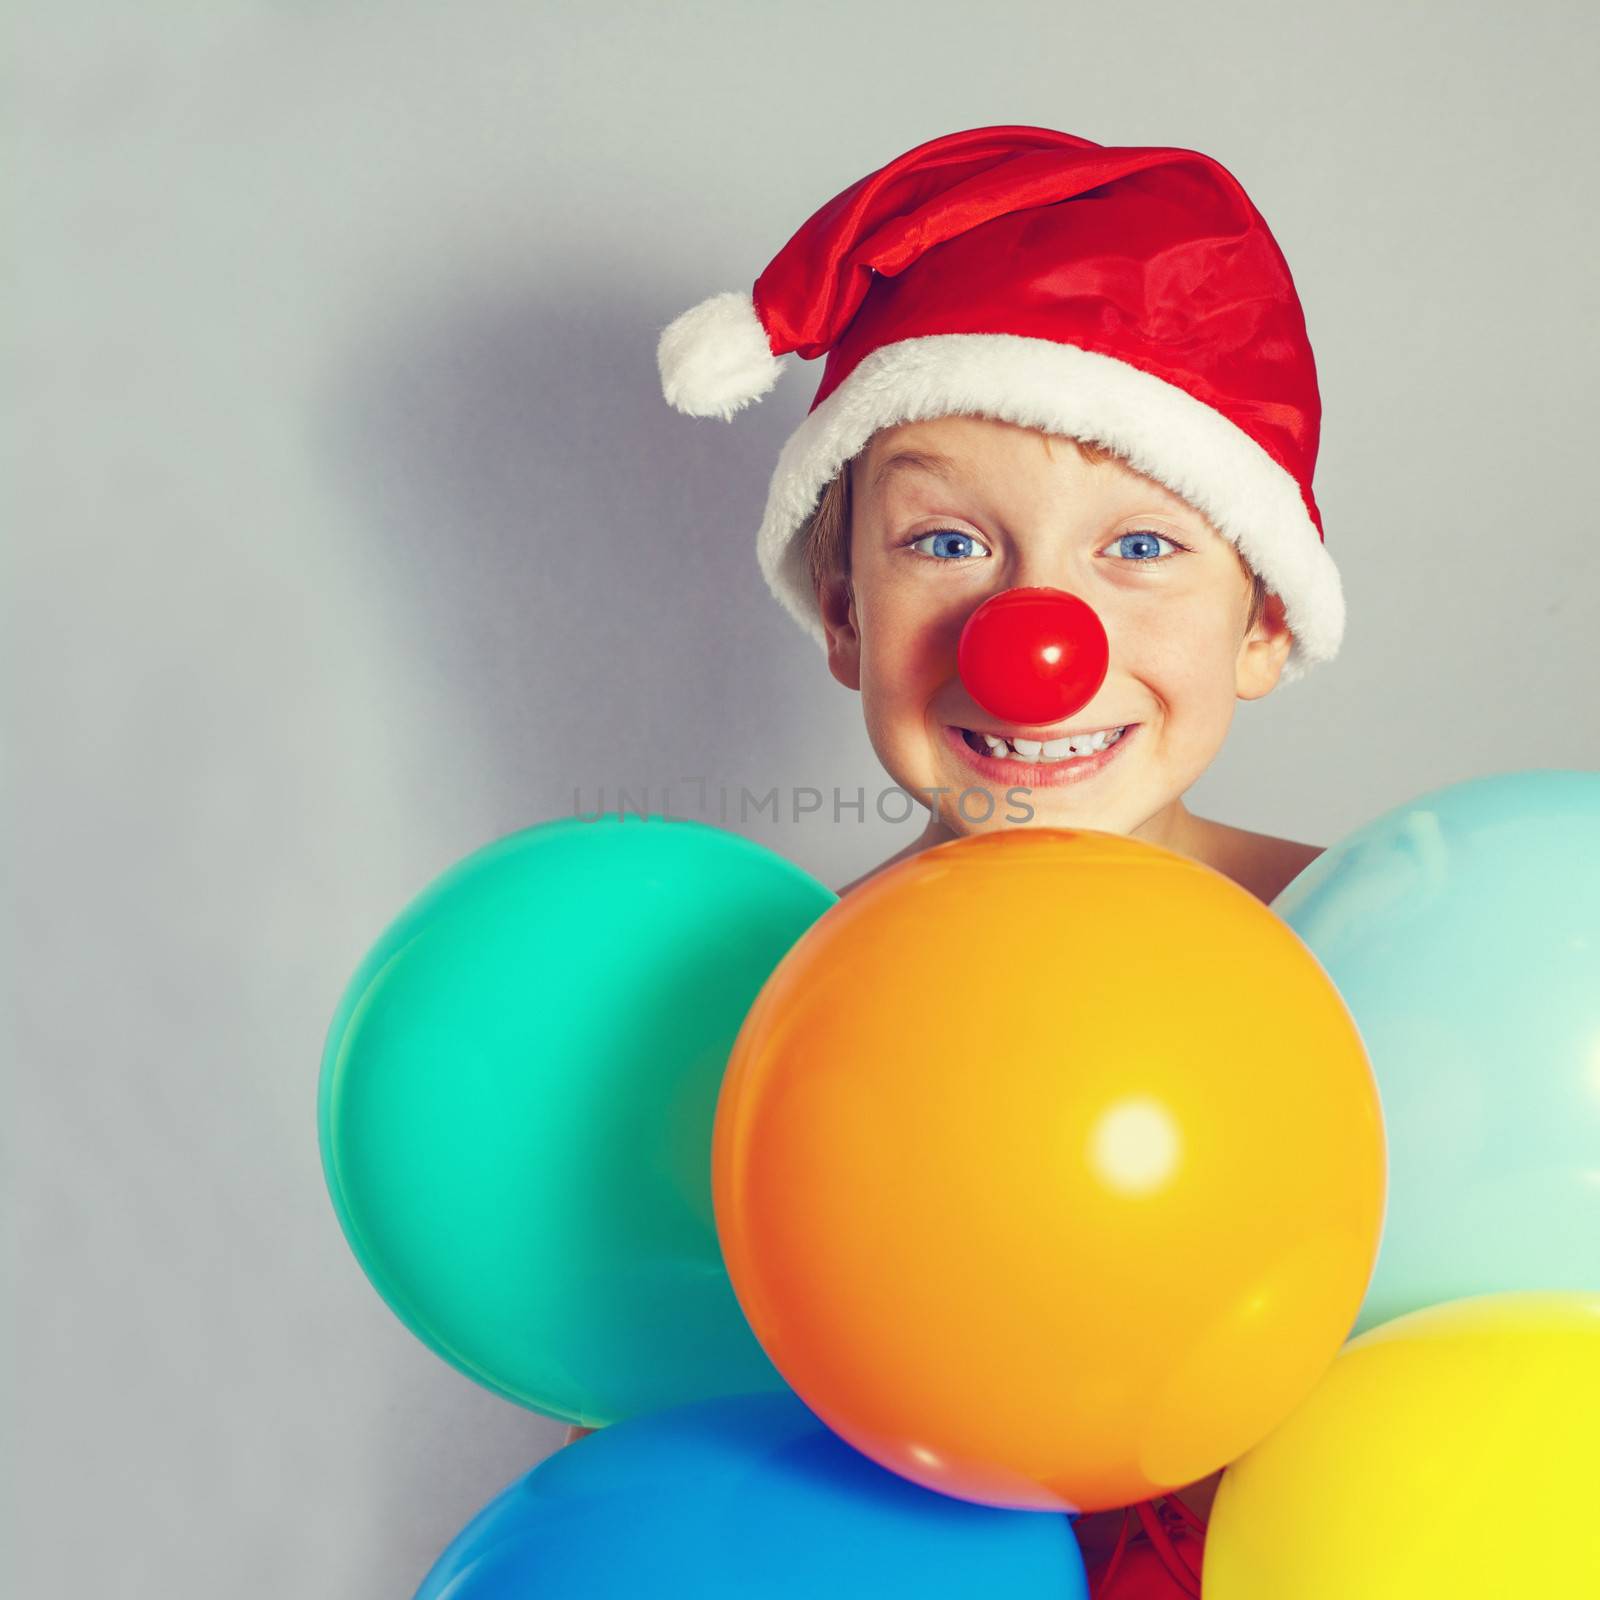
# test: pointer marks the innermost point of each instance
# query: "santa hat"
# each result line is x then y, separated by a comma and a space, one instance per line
1125, 295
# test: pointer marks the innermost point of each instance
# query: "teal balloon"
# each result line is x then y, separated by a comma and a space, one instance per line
1463, 931
516, 1104
744, 1497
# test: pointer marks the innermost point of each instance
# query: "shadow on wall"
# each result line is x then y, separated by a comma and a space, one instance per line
570, 566
573, 559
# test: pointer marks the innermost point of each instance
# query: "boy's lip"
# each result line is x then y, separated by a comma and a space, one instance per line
1021, 730
1040, 774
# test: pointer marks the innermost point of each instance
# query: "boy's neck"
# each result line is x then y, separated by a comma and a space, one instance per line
1255, 861
1174, 827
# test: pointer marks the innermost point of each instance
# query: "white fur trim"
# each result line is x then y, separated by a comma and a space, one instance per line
1161, 430
716, 357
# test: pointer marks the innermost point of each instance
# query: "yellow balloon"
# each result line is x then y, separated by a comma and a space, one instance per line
1435, 1459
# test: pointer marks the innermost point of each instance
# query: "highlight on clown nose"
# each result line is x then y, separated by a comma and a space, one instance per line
1033, 655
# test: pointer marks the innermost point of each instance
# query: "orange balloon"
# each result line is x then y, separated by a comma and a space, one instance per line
1049, 1169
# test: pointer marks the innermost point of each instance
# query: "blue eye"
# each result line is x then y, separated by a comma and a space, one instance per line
1143, 543
961, 539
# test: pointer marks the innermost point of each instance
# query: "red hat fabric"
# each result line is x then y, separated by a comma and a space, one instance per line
1130, 296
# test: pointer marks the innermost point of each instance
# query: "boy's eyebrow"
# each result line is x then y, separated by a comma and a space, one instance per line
927, 460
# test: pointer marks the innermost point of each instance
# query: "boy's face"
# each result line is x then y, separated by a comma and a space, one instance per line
1018, 508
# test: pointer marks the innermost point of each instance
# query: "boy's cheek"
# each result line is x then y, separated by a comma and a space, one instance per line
905, 658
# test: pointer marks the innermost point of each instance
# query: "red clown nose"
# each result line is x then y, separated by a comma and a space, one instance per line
1033, 655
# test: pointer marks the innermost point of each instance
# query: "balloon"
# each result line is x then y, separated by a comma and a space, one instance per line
736, 1497
516, 1106
1453, 1451
1033, 655
1049, 1169
1463, 930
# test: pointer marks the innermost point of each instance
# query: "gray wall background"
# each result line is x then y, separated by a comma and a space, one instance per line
350, 532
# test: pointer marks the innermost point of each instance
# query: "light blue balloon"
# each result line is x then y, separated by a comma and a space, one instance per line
1463, 930
743, 1496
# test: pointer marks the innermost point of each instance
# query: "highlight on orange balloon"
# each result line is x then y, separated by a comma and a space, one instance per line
1049, 1169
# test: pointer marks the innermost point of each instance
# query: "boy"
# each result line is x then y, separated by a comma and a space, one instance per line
1053, 363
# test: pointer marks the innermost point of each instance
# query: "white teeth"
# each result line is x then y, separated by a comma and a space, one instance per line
1045, 751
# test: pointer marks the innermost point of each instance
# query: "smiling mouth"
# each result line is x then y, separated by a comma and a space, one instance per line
1017, 768
1043, 752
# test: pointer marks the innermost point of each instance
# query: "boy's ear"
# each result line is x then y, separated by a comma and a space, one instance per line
837, 602
1264, 651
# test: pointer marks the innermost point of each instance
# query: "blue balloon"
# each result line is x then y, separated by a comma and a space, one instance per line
740, 1496
1463, 930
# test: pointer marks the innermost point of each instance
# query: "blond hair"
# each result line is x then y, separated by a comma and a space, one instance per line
826, 532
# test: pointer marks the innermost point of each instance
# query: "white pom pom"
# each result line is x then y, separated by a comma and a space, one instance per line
715, 358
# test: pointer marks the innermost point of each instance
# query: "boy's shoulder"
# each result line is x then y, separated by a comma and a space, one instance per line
1259, 862
1256, 861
